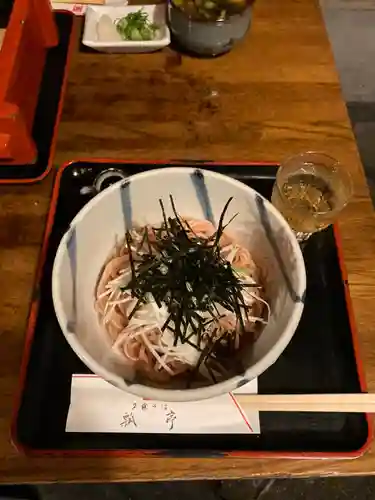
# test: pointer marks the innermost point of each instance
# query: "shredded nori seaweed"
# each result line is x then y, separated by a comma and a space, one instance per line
188, 274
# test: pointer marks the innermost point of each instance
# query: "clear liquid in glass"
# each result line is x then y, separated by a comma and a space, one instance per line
307, 201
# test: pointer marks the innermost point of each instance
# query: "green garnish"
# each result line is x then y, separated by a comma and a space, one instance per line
188, 274
212, 10
136, 27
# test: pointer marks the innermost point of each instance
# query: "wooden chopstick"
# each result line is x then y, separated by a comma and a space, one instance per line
347, 403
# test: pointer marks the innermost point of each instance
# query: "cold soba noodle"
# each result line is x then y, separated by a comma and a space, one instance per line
181, 300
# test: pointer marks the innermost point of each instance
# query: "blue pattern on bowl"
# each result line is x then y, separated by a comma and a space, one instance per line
242, 382
199, 183
71, 245
126, 203
275, 243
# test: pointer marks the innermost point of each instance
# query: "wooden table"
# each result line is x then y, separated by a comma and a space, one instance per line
274, 95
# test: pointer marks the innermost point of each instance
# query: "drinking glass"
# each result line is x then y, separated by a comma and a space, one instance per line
310, 191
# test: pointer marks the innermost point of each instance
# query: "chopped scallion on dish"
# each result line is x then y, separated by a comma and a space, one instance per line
136, 26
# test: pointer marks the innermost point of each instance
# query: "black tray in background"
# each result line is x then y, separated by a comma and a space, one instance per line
47, 110
319, 359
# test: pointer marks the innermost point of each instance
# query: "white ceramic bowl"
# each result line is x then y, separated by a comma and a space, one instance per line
91, 237
156, 13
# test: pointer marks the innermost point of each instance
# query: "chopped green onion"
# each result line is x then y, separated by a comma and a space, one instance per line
136, 26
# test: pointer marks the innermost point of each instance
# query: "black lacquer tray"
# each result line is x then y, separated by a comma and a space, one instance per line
49, 107
322, 357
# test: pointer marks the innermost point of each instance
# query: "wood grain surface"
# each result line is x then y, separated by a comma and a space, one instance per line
276, 94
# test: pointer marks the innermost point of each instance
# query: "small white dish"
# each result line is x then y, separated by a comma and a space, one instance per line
156, 13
